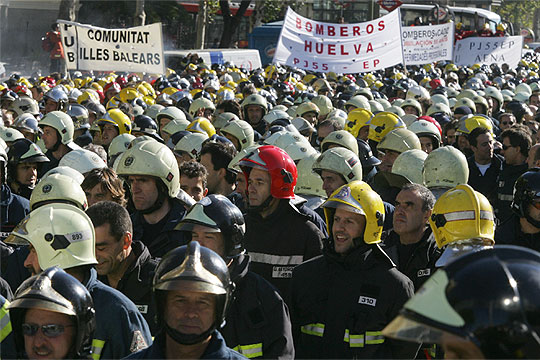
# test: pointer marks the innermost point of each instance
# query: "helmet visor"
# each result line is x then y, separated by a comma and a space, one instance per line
197, 216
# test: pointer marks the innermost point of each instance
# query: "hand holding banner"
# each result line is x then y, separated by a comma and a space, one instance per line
136, 49
342, 48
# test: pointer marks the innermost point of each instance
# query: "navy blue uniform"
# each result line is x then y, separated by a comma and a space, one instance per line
216, 349
120, 327
160, 238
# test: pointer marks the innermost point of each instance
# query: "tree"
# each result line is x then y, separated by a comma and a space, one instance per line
230, 22
68, 10
520, 13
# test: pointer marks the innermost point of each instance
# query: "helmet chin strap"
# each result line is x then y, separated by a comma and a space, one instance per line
262, 206
188, 339
162, 197
58, 141
533, 222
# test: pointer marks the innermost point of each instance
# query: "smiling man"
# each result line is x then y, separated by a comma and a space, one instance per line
123, 264
332, 318
53, 317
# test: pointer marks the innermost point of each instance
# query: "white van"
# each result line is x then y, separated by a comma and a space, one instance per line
243, 58
471, 18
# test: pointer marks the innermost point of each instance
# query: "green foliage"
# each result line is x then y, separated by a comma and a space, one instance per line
518, 12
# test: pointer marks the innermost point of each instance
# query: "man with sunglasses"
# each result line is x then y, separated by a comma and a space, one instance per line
523, 227
53, 317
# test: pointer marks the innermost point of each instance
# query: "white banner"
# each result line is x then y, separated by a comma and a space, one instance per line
136, 49
342, 48
488, 50
427, 44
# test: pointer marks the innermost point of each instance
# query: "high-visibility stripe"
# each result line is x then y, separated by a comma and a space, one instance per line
5, 324
374, 337
468, 215
250, 351
313, 329
276, 259
97, 348
353, 340
505, 197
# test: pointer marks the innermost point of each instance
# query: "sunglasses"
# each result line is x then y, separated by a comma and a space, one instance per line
536, 204
50, 330
506, 147
507, 123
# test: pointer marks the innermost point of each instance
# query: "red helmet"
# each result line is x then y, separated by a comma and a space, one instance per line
112, 86
433, 121
279, 165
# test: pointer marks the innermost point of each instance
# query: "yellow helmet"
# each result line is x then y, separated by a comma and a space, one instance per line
88, 95
465, 126
128, 94
357, 119
358, 197
117, 118
382, 123
170, 90
202, 125
461, 214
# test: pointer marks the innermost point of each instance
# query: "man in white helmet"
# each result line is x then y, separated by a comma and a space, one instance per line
57, 135
67, 240
154, 179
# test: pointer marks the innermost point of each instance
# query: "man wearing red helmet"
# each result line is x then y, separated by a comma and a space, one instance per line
278, 237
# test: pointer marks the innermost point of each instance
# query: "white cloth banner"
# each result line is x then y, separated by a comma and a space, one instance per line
136, 49
342, 48
427, 44
488, 50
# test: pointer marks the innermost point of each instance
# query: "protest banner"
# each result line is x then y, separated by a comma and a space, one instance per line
343, 48
427, 44
136, 49
488, 50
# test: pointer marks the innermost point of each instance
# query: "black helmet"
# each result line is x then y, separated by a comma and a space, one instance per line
526, 189
519, 109
490, 297
196, 268
219, 213
79, 114
23, 151
57, 291
147, 126
366, 155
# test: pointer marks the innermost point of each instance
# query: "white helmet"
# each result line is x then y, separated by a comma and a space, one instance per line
63, 124
119, 144
82, 160
341, 161
410, 164
241, 130
308, 183
67, 171
151, 158
62, 234
445, 167
190, 144
58, 188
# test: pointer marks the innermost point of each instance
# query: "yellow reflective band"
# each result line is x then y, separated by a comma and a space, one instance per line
250, 351
374, 337
353, 340
5, 324
97, 348
313, 329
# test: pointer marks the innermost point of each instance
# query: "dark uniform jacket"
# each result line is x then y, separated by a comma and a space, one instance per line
509, 233
279, 242
136, 283
487, 183
422, 256
216, 349
120, 327
165, 238
13, 208
340, 305
258, 323
505, 189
